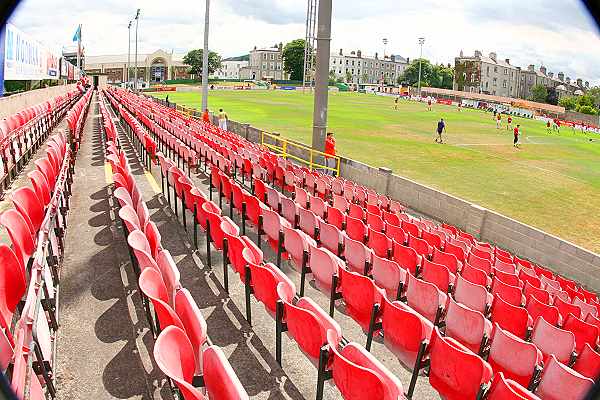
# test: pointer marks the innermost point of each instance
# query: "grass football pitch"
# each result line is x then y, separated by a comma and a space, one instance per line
552, 182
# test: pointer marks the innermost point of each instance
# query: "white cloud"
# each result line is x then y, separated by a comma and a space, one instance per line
558, 34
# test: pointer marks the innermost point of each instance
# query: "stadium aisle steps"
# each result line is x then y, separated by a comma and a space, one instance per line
103, 350
206, 287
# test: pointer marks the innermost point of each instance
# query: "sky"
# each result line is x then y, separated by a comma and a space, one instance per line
558, 34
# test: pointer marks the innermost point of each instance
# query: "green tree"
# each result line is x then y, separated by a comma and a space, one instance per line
539, 93
293, 59
595, 93
194, 60
585, 100
569, 103
442, 77
411, 73
552, 97
364, 78
348, 77
332, 77
587, 110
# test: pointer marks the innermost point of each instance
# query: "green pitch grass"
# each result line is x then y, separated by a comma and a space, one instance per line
552, 182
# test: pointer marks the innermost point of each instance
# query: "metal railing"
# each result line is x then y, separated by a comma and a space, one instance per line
314, 159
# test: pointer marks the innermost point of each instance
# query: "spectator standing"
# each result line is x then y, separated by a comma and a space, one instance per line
222, 119
206, 116
330, 154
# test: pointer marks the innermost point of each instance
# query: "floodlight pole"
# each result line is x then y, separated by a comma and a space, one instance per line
135, 74
205, 59
421, 42
322, 75
128, 54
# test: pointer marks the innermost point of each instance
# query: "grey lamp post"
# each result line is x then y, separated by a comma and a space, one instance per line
135, 75
421, 42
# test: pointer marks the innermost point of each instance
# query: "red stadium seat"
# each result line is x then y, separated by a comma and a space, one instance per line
552, 340
357, 374
447, 259
389, 276
170, 274
273, 226
585, 308
433, 239
331, 238
588, 363
467, 326
297, 244
318, 206
220, 380
458, 251
308, 223
375, 222
540, 294
514, 357
560, 382
30, 207
438, 274
472, 295
406, 257
13, 285
265, 279
141, 248
565, 308
455, 372
506, 389
174, 355
23, 242
40, 186
360, 296
510, 294
536, 309
301, 197
396, 233
153, 287
194, 324
336, 217
512, 318
358, 256
507, 268
475, 275
584, 332
356, 211
420, 246
410, 228
527, 277
379, 243
289, 210
356, 229
323, 265
481, 263
508, 278
425, 298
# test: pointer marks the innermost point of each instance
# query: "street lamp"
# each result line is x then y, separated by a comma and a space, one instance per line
128, 53
421, 42
135, 75
385, 42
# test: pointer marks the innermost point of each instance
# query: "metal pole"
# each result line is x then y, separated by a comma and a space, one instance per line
421, 41
2, 55
322, 75
79, 51
205, 59
128, 54
135, 74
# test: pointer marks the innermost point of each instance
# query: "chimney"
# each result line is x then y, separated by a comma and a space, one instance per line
280, 46
587, 85
408, 60
579, 82
393, 58
377, 58
478, 54
568, 80
254, 47
352, 53
551, 74
543, 70
461, 54
507, 60
493, 56
359, 54
341, 52
561, 76
531, 68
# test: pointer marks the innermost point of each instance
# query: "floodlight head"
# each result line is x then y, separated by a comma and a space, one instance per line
421, 40
129, 26
137, 14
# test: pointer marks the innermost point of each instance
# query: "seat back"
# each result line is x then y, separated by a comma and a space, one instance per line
588, 363
219, 378
552, 340
406, 257
510, 294
360, 295
153, 287
536, 309
29, 205
447, 259
193, 323
455, 372
20, 235
512, 318
467, 326
540, 294
584, 332
379, 243
265, 280
506, 389
388, 275
565, 308
357, 255
437, 274
323, 264
425, 298
514, 357
356, 229
331, 238
560, 382
12, 285
472, 295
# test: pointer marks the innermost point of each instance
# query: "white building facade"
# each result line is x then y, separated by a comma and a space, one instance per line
265, 64
353, 68
230, 69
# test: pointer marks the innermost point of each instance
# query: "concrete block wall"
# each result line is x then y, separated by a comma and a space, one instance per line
523, 240
13, 104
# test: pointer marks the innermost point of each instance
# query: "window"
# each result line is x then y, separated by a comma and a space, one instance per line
278, 65
494, 82
272, 56
488, 71
352, 62
333, 61
339, 71
504, 83
495, 69
272, 65
264, 56
505, 71
264, 65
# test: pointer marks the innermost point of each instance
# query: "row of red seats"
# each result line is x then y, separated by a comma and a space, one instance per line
182, 349
23, 133
30, 269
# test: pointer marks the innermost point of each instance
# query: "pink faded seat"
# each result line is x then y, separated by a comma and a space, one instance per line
560, 382
194, 324
514, 357
358, 256
439, 275
467, 326
153, 287
425, 298
472, 295
536, 309
331, 238
506, 389
389, 276
552, 340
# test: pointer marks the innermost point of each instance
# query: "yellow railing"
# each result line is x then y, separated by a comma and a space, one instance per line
282, 146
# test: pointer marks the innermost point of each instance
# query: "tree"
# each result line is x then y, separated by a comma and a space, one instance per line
552, 97
569, 103
587, 110
364, 78
442, 77
293, 59
595, 93
348, 77
194, 60
411, 73
332, 77
539, 93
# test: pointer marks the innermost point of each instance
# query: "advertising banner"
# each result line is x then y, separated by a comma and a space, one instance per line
28, 59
